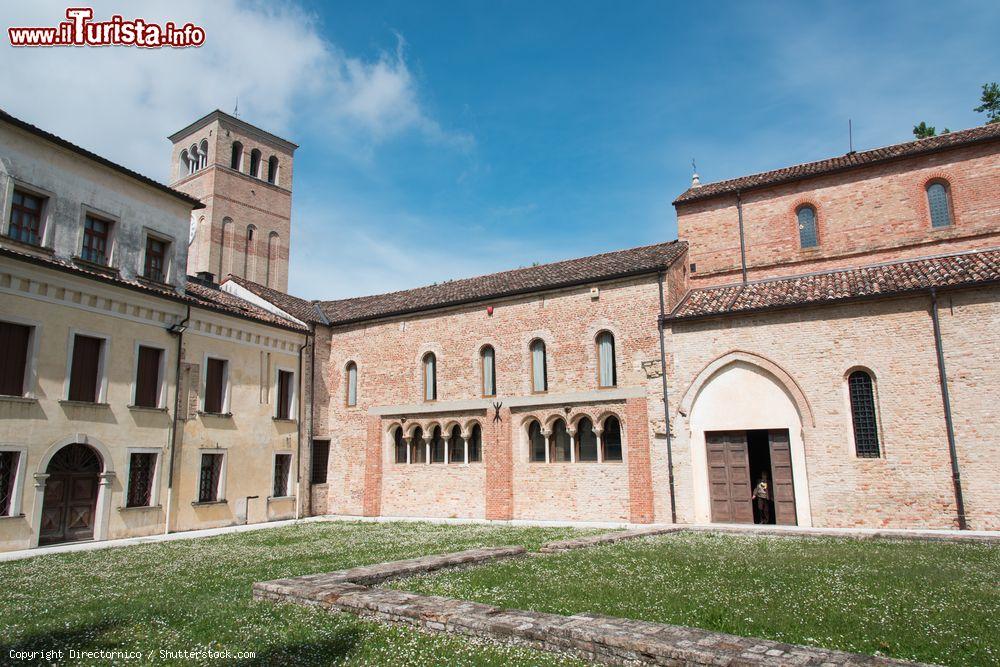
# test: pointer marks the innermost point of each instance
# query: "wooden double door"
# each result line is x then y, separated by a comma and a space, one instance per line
730, 484
69, 509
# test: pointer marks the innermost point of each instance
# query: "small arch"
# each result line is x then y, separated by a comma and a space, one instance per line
272, 169
864, 413
255, 163
806, 217
476, 444
437, 445
418, 450
226, 252
195, 159
611, 439
351, 389
185, 162
398, 444
536, 441
236, 159
607, 366
539, 366
780, 375
429, 362
272, 259
203, 154
250, 252
488, 370
586, 440
456, 444
939, 206
559, 442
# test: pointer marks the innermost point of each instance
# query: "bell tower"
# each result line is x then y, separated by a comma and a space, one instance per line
243, 175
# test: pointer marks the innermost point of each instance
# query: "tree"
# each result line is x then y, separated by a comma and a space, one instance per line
924, 130
990, 102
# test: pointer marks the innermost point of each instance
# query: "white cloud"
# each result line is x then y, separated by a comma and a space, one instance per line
122, 101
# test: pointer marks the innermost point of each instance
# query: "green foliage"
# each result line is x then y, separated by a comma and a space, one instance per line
923, 131
990, 102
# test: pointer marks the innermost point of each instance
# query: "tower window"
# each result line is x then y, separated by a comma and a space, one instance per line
939, 204
255, 163
272, 169
807, 226
236, 161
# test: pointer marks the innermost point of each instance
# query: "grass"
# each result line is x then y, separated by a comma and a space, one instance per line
933, 602
195, 595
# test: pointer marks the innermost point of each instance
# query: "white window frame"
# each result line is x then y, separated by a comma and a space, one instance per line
30, 380
17, 488
220, 489
161, 391
46, 214
225, 383
293, 407
114, 222
154, 494
288, 482
102, 363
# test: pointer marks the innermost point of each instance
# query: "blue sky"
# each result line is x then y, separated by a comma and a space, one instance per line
441, 140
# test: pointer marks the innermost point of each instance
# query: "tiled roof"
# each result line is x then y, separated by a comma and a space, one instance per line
843, 162
307, 311
59, 141
196, 294
606, 266
959, 270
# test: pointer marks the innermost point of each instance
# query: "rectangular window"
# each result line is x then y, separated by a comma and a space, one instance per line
142, 465
282, 472
26, 218
147, 377
211, 478
96, 234
84, 376
14, 340
8, 477
156, 260
215, 385
320, 461
285, 385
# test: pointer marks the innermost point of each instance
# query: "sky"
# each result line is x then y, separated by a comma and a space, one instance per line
440, 140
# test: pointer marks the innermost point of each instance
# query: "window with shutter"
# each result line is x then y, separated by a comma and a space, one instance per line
808, 237
939, 204
285, 379
147, 377
84, 375
14, 339
215, 386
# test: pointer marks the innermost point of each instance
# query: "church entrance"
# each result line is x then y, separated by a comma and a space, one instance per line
750, 477
69, 506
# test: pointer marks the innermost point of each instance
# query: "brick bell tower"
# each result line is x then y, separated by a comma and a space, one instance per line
243, 175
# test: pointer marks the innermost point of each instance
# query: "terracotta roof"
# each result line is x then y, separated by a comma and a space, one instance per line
606, 266
196, 294
59, 141
881, 280
844, 162
307, 311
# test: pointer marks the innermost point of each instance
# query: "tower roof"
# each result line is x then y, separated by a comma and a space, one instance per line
240, 124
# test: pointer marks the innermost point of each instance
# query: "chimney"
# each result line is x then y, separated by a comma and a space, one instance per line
207, 278
695, 180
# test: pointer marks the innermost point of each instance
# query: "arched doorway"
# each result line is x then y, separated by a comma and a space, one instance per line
69, 509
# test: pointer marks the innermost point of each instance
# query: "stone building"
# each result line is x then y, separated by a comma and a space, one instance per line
827, 328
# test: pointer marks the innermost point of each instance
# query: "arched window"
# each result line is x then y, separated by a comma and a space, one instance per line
437, 446
456, 446
236, 161
250, 253
539, 367
399, 445
611, 438
806, 215
488, 363
939, 204
185, 162
352, 384
430, 377
418, 451
560, 442
255, 163
203, 154
862, 391
536, 442
272, 259
195, 160
226, 256
586, 440
476, 444
272, 169
607, 372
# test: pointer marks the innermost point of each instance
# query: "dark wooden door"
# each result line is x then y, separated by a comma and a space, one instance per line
729, 477
781, 478
69, 507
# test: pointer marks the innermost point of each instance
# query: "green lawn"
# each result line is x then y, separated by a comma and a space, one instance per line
933, 602
196, 594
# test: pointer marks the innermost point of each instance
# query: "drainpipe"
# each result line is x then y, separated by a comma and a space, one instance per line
298, 439
743, 250
956, 476
177, 330
312, 407
666, 403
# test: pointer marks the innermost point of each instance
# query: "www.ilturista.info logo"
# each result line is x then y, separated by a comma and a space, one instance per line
80, 30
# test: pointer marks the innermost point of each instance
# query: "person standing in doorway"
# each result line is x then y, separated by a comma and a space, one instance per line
762, 500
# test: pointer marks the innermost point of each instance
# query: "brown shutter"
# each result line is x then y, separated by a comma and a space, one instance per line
83, 372
781, 478
13, 357
284, 394
147, 378
213, 385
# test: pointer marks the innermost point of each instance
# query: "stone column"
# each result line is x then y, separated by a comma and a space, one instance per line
465, 447
572, 446
446, 438
599, 434
409, 444
548, 445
